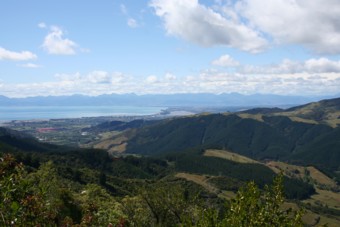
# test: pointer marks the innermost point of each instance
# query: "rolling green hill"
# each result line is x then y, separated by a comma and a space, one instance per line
276, 138
325, 111
260, 134
16, 141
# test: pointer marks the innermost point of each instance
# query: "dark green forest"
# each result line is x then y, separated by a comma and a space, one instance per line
276, 138
51, 195
62, 187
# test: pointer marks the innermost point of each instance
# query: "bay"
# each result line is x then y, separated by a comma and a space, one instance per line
8, 113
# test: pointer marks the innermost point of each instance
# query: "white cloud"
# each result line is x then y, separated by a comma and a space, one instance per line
225, 61
55, 43
99, 77
42, 25
205, 82
320, 65
310, 77
314, 24
151, 79
30, 65
132, 23
170, 76
94, 77
192, 21
68, 77
16, 56
251, 25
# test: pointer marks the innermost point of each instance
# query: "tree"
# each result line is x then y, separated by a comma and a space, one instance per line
20, 204
253, 208
160, 204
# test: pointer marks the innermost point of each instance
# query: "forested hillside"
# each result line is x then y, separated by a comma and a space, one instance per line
89, 187
164, 176
274, 138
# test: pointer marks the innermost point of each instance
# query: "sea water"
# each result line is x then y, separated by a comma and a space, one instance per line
8, 113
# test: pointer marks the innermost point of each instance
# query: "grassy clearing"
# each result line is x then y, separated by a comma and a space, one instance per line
306, 114
320, 178
309, 173
333, 122
229, 156
314, 219
331, 199
116, 144
118, 148
108, 135
257, 117
200, 180
303, 120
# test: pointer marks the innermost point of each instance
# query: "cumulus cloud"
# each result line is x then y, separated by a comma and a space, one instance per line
314, 24
192, 21
94, 77
151, 79
322, 65
284, 84
209, 81
316, 76
16, 56
312, 66
68, 77
30, 65
93, 83
225, 61
251, 25
99, 77
170, 76
55, 43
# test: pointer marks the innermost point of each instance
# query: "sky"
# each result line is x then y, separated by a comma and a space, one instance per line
65, 47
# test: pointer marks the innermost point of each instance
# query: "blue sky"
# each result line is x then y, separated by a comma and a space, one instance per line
169, 46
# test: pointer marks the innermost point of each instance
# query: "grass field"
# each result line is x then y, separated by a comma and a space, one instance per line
329, 198
257, 117
229, 156
307, 173
200, 180
116, 145
299, 119
314, 219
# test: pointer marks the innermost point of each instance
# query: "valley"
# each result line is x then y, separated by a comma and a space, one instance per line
207, 156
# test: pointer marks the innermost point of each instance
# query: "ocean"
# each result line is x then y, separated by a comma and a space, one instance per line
9, 113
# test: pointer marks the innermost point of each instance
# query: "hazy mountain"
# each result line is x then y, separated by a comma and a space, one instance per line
203, 99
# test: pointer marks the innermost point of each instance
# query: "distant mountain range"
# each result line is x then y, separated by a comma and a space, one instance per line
169, 100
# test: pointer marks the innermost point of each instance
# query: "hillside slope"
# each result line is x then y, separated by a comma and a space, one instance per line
261, 134
325, 111
11, 140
